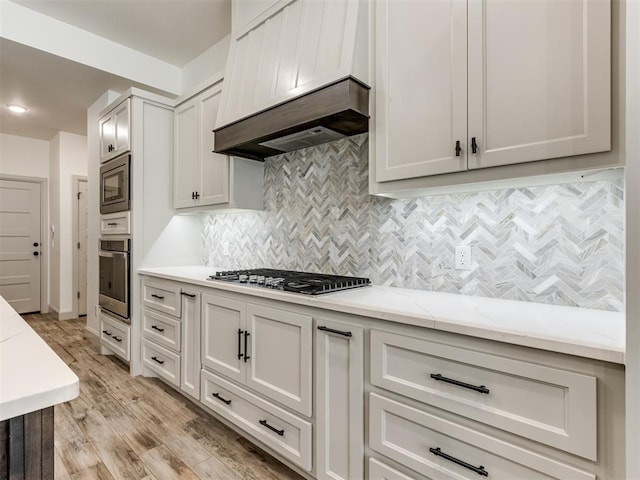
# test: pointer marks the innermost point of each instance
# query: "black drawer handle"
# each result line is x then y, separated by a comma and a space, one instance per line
223, 400
273, 429
239, 343
458, 148
479, 470
159, 297
190, 295
440, 378
112, 224
155, 359
157, 328
246, 336
106, 332
331, 330
117, 339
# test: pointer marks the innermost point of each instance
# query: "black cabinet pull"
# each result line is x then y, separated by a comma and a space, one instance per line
156, 360
474, 145
458, 148
239, 343
157, 328
112, 224
440, 378
217, 395
331, 330
197, 195
159, 297
106, 332
273, 429
117, 339
246, 336
479, 470
190, 295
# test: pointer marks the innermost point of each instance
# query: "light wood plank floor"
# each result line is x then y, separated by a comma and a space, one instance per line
123, 427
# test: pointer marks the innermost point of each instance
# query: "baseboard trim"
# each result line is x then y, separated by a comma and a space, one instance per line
61, 315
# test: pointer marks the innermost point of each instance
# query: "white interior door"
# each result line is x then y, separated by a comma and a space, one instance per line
20, 244
82, 247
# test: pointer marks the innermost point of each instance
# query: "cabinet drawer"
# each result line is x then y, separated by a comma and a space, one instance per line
115, 336
164, 297
115, 223
285, 433
549, 405
165, 363
162, 329
381, 471
442, 449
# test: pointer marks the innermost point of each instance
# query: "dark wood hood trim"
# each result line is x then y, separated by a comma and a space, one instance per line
342, 106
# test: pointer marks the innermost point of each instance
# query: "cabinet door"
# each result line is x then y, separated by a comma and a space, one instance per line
186, 163
107, 137
539, 79
340, 400
222, 336
190, 365
214, 168
122, 122
279, 348
421, 88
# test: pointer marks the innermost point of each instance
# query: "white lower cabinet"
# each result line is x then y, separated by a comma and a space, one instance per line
285, 433
190, 361
339, 385
162, 361
442, 449
269, 350
381, 471
115, 335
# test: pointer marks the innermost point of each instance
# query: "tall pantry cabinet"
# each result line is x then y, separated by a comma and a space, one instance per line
469, 84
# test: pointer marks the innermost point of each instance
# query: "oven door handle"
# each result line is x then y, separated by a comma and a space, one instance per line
103, 253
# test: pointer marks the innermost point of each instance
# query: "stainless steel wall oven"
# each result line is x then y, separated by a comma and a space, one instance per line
115, 186
115, 276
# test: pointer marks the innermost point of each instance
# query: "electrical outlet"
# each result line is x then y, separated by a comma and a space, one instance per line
463, 257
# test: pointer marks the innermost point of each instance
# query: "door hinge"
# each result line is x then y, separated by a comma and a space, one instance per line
78, 292
78, 245
78, 196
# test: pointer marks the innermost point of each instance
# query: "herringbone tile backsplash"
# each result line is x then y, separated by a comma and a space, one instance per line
559, 244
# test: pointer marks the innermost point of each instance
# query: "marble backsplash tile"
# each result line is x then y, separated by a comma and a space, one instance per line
558, 244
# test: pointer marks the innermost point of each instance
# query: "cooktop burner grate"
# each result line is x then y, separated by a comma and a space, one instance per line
291, 281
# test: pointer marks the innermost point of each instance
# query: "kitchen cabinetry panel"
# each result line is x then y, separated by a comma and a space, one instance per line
162, 329
162, 361
440, 448
115, 131
381, 471
223, 335
114, 335
512, 82
190, 358
162, 296
115, 223
539, 80
549, 405
422, 89
201, 176
340, 400
285, 433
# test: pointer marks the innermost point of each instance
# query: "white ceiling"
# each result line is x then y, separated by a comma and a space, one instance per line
58, 91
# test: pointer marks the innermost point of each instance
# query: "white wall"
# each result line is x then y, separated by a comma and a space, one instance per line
180, 243
202, 69
24, 156
243, 11
68, 157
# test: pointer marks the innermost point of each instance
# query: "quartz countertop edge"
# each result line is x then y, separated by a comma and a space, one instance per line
590, 333
32, 375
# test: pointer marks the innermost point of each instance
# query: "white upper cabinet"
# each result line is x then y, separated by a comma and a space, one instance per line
506, 82
292, 48
201, 177
115, 131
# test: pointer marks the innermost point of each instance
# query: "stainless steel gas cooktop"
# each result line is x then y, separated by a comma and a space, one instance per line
291, 281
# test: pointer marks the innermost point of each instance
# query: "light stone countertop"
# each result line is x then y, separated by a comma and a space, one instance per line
589, 333
32, 376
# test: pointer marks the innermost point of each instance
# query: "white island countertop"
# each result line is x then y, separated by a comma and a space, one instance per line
32, 376
589, 333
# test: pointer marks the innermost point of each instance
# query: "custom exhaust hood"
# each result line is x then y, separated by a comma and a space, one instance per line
295, 77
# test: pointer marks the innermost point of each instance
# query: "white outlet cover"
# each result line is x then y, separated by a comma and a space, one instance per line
463, 257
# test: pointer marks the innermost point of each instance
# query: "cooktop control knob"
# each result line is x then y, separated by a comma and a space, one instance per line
253, 278
243, 278
260, 279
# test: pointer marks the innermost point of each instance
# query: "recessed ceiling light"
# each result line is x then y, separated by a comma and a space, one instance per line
17, 108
